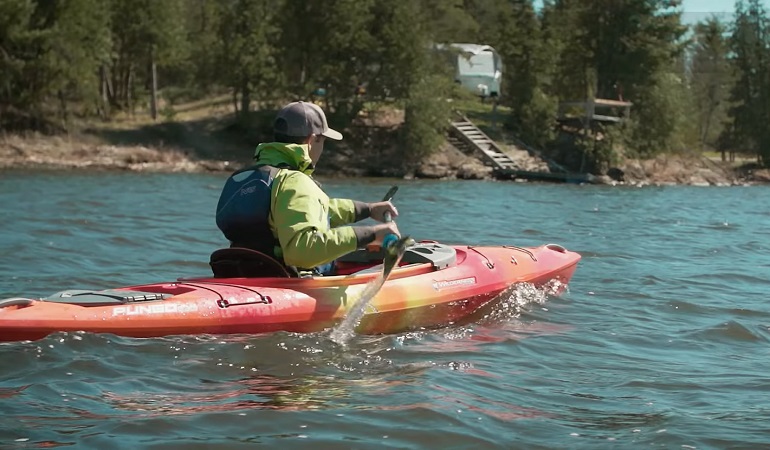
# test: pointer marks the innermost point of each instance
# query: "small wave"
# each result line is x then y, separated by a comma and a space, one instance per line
731, 331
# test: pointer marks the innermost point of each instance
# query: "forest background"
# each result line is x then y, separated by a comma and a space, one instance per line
109, 67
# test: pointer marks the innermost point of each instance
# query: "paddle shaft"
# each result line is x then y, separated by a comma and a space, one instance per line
386, 217
391, 192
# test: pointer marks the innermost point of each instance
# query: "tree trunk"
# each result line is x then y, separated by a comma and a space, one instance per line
153, 89
130, 90
106, 92
245, 97
63, 107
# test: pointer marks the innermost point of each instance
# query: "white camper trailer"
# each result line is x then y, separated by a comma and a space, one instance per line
478, 69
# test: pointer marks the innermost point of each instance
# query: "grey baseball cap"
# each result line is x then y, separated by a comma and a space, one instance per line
300, 119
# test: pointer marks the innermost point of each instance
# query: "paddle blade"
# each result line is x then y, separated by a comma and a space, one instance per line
393, 254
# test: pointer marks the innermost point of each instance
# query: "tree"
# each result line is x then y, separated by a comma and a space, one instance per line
710, 79
147, 34
750, 49
344, 47
80, 43
21, 42
247, 54
51, 50
513, 29
408, 73
453, 20
626, 49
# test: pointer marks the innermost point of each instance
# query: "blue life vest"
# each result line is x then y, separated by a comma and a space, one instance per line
243, 210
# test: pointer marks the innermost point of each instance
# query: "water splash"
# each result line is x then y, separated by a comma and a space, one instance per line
343, 332
512, 302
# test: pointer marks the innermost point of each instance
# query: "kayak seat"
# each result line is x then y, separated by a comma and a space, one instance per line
240, 262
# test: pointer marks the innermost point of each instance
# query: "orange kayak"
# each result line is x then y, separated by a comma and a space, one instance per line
435, 285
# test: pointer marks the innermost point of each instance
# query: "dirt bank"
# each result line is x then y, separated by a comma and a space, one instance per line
88, 152
82, 152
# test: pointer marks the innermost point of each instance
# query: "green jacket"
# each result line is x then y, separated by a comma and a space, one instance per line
310, 227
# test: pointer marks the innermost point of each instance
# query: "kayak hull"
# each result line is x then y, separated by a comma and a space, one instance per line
415, 296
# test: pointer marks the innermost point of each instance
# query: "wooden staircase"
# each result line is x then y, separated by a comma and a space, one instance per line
518, 162
465, 134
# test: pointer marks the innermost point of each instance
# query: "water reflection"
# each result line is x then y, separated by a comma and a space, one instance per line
259, 392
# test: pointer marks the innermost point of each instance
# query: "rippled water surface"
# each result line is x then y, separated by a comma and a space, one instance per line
663, 339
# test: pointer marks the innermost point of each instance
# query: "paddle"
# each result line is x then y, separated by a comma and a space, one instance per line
393, 249
391, 192
385, 218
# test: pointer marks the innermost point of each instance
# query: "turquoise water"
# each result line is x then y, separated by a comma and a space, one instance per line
663, 339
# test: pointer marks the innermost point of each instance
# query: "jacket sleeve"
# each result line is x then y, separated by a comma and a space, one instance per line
300, 221
343, 211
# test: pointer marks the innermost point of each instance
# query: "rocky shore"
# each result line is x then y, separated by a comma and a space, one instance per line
66, 153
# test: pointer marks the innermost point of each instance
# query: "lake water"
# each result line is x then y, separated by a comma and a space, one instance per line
663, 339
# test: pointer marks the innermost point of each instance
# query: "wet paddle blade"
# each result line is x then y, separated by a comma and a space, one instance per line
393, 254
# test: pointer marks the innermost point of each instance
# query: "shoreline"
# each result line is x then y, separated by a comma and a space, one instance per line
67, 153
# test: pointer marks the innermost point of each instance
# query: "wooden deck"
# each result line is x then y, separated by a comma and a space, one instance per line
598, 109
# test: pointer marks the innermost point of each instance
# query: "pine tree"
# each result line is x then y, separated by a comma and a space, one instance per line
51, 50
21, 42
626, 49
710, 79
344, 45
528, 69
408, 74
80, 45
202, 19
247, 61
147, 35
750, 47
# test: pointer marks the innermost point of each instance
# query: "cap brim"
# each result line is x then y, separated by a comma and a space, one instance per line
332, 134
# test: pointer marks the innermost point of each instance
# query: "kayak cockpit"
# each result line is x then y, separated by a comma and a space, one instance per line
440, 256
237, 262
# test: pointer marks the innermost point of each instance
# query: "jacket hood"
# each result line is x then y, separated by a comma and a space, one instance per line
296, 156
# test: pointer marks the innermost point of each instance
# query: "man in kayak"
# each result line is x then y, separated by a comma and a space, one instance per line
277, 208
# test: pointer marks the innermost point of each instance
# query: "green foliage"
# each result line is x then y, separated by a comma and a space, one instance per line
451, 20
426, 121
710, 80
427, 117
402, 44
659, 124
345, 55
80, 44
247, 49
513, 28
629, 50
20, 44
750, 48
168, 112
144, 32
51, 49
408, 71
60, 57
